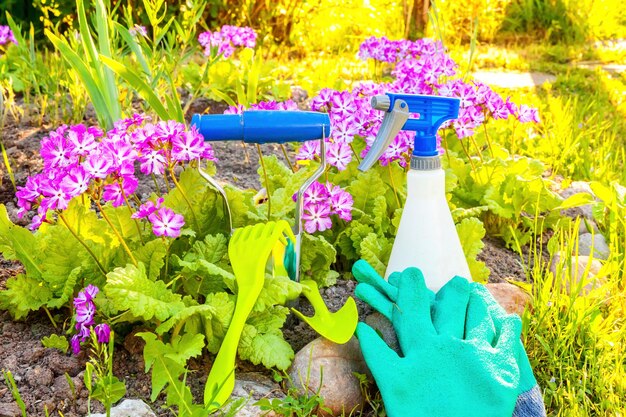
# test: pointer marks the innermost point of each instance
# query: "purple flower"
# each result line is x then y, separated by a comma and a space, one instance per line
75, 182
340, 202
528, 114
99, 165
6, 35
316, 193
308, 151
166, 223
147, 209
103, 332
317, 217
188, 146
54, 198
153, 162
116, 191
75, 344
85, 313
138, 30
226, 40
339, 155
56, 150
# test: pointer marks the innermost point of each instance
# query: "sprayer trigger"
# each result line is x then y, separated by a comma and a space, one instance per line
392, 124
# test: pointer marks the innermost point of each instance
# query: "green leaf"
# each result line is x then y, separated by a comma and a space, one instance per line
270, 319
18, 243
152, 254
108, 389
379, 213
134, 47
215, 328
130, 289
55, 341
277, 173
269, 349
365, 188
56, 242
67, 289
168, 360
86, 224
92, 85
207, 311
202, 277
212, 249
317, 257
276, 290
120, 219
143, 89
471, 231
376, 251
24, 294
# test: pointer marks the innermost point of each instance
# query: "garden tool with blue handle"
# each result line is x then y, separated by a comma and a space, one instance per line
273, 127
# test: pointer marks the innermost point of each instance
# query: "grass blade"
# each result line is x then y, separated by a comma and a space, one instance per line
144, 90
134, 47
91, 85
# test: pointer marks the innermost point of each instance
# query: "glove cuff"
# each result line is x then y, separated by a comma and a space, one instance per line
530, 404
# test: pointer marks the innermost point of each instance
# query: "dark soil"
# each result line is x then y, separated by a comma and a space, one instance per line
42, 374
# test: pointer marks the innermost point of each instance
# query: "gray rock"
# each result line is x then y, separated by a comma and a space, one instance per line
600, 247
384, 327
249, 388
570, 270
580, 187
9, 410
129, 408
587, 226
327, 368
511, 297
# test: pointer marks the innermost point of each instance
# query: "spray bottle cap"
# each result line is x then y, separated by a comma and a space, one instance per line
432, 110
260, 126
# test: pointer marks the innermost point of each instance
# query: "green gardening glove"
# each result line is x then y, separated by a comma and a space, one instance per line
440, 373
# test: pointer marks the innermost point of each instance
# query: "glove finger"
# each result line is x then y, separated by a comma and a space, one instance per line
527, 377
496, 311
478, 323
450, 308
378, 356
375, 298
363, 272
509, 336
411, 318
394, 279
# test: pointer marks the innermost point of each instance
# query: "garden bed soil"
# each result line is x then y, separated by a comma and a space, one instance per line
42, 374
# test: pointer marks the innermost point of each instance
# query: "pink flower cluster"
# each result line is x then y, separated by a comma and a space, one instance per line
79, 159
226, 40
263, 105
420, 67
320, 201
85, 311
6, 35
164, 221
387, 50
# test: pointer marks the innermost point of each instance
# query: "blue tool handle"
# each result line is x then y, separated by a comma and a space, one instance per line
259, 126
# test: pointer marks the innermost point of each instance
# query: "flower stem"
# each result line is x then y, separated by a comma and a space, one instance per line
130, 210
358, 160
93, 255
287, 157
393, 185
156, 184
267, 183
117, 233
182, 192
469, 158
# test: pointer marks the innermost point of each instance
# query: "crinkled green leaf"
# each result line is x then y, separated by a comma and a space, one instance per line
86, 224
67, 290
152, 255
317, 257
269, 349
168, 360
205, 310
212, 249
215, 327
55, 341
277, 172
18, 243
24, 294
270, 319
379, 213
365, 188
56, 243
201, 277
471, 231
376, 251
276, 290
120, 219
130, 289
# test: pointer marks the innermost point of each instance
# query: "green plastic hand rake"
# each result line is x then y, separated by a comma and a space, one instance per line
249, 249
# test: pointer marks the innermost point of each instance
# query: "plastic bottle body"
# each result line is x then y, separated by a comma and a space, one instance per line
427, 236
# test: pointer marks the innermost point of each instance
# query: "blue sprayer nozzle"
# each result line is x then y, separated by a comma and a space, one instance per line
432, 110
260, 126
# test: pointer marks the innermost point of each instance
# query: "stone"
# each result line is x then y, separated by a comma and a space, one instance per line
251, 387
587, 226
10, 410
597, 241
129, 408
512, 298
327, 368
381, 324
577, 187
577, 266
39, 376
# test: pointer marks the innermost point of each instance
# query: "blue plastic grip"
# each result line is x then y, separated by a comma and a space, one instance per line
261, 126
433, 111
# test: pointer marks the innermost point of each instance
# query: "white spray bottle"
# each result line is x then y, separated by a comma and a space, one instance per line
427, 236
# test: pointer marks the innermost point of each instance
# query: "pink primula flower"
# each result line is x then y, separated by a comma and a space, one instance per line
166, 223
317, 218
